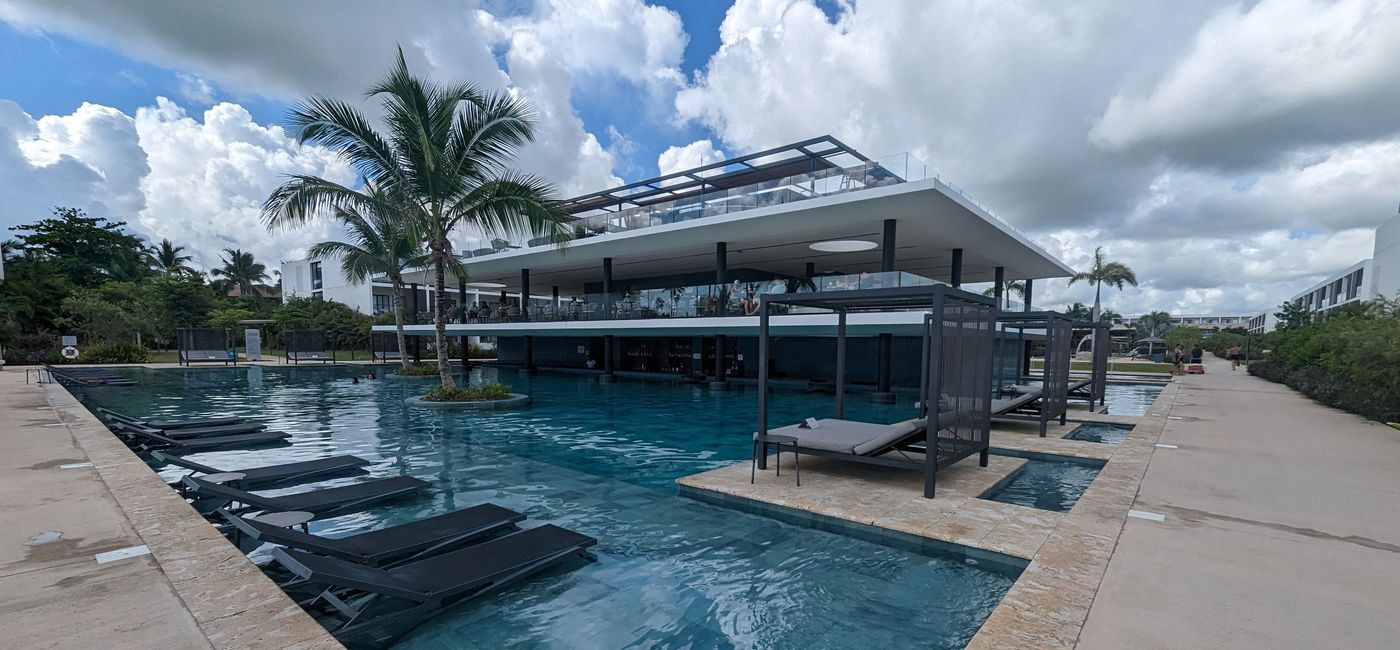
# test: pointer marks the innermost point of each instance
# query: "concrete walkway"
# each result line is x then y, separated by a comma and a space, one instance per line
1281, 530
70, 492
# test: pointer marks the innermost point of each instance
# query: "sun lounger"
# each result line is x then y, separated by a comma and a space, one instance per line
128, 430
145, 440
296, 357
1022, 400
324, 503
169, 424
393, 545
401, 597
272, 475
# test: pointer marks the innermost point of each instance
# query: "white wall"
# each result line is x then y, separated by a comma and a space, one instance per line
296, 283
1385, 262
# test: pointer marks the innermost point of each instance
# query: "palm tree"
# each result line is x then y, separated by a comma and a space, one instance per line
240, 270
1017, 287
1153, 324
381, 242
445, 152
1078, 312
1101, 272
1109, 316
167, 259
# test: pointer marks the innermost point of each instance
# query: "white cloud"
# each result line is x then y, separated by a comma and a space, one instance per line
196, 89
200, 183
1229, 153
695, 154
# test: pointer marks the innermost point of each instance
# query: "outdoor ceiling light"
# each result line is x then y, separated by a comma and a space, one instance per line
844, 246
486, 285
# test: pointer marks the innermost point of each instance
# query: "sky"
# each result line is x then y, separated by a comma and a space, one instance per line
1232, 153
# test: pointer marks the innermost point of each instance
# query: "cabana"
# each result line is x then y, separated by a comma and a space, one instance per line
955, 390
1094, 387
384, 346
307, 345
205, 344
1050, 399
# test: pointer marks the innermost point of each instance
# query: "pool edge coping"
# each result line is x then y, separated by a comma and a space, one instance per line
203, 568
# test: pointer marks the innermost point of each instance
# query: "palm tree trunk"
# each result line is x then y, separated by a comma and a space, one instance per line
440, 313
398, 321
1098, 288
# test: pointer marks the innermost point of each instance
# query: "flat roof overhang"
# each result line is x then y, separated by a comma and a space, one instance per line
904, 323
932, 219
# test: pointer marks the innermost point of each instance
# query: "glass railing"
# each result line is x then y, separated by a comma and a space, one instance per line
890, 170
736, 298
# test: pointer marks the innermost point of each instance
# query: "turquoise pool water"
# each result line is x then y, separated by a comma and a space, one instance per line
1130, 399
1111, 434
1045, 481
602, 459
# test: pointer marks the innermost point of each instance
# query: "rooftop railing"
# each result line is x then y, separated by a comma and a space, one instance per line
736, 298
882, 172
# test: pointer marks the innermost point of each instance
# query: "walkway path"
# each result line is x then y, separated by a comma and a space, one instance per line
70, 494
1281, 530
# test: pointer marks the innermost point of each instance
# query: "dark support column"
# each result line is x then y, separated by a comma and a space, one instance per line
762, 460
998, 293
417, 340
883, 394
721, 342
554, 303
841, 364
525, 294
608, 341
956, 275
529, 354
1025, 349
811, 270
462, 318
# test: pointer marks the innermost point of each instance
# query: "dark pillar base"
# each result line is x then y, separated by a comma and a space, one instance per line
882, 398
720, 385
529, 372
607, 379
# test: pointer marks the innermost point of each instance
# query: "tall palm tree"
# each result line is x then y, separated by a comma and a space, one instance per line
167, 259
1101, 272
1078, 312
240, 270
445, 151
381, 243
1154, 324
1009, 287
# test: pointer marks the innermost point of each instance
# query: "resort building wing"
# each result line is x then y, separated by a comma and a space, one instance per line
662, 270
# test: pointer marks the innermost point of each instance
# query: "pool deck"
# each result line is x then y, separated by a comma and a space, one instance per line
69, 491
1281, 529
1068, 553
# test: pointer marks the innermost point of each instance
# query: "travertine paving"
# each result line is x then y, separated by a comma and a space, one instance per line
193, 590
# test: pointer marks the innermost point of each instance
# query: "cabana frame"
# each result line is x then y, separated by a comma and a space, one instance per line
307, 345
955, 380
384, 347
205, 345
1054, 391
1095, 389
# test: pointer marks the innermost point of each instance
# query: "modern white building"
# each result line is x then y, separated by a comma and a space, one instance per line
1378, 276
662, 275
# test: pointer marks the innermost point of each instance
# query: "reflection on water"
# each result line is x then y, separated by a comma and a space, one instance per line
1130, 399
601, 459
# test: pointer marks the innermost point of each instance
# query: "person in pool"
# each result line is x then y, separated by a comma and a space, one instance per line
354, 380
371, 377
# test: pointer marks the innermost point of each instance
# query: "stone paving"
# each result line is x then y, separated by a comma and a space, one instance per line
193, 590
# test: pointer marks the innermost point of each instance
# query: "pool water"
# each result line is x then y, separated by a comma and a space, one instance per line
1046, 481
1130, 399
601, 459
1111, 434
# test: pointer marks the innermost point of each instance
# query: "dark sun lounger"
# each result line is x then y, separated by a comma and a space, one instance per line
324, 503
147, 441
395, 544
190, 432
169, 424
273, 475
367, 606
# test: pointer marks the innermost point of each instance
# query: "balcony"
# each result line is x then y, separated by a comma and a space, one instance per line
700, 301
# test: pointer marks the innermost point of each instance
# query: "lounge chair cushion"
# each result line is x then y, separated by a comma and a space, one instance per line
850, 436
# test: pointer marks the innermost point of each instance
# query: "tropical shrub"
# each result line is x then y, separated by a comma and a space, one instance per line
418, 370
108, 353
486, 391
1350, 362
30, 349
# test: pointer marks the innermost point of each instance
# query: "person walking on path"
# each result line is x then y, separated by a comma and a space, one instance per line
1235, 356
1179, 361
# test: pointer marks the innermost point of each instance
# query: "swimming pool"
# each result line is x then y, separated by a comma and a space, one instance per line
602, 459
1130, 399
1046, 481
1103, 432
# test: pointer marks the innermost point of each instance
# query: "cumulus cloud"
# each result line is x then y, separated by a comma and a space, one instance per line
201, 183
695, 154
1230, 153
